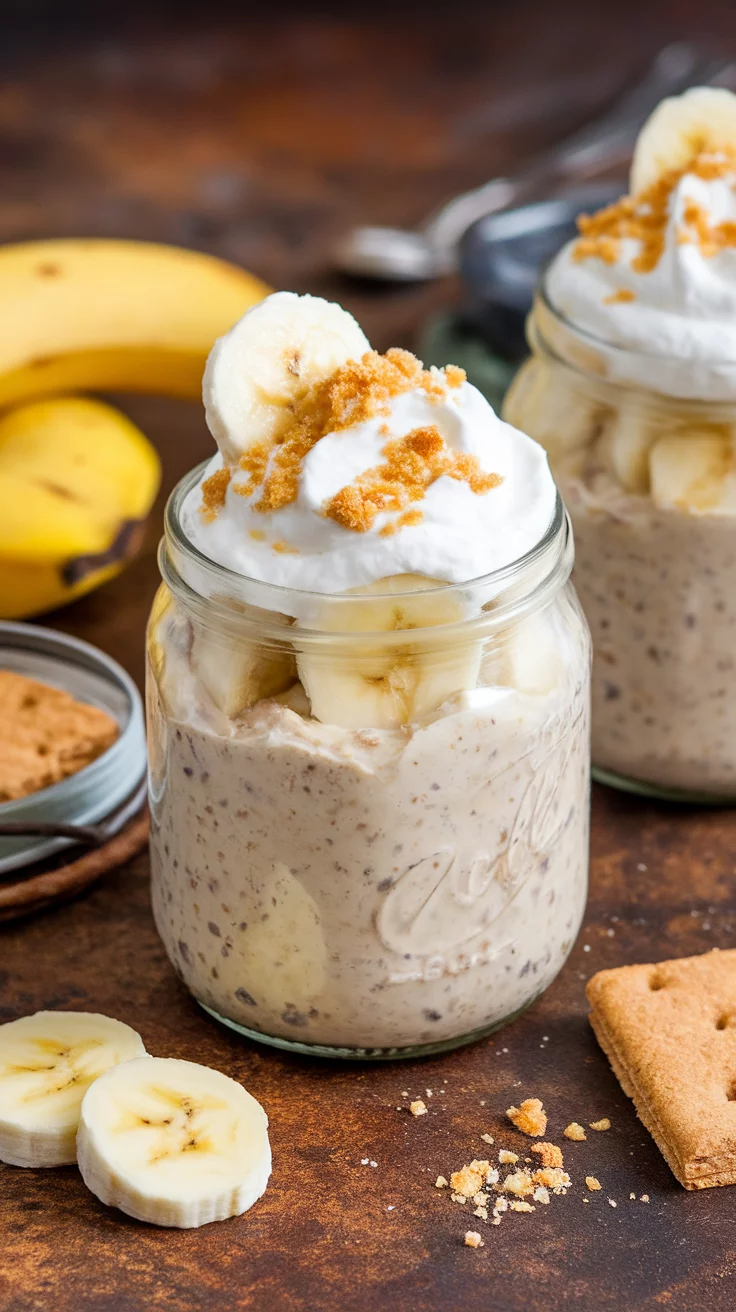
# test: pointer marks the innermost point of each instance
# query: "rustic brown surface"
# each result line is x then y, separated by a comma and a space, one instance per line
260, 140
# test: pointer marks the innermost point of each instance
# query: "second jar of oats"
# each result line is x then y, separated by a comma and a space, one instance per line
631, 387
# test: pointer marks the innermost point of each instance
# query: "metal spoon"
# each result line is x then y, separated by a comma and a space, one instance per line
402, 255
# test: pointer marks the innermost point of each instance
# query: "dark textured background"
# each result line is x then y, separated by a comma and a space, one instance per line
259, 133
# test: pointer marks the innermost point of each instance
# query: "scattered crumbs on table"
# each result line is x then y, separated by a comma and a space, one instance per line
603, 1124
575, 1132
417, 1107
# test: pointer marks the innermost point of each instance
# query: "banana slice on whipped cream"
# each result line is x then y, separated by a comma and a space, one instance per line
262, 369
173, 1143
703, 119
47, 1063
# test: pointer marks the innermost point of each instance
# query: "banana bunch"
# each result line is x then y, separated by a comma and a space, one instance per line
167, 1141
78, 479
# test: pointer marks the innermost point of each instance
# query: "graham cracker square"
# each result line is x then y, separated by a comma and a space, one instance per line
669, 1032
45, 735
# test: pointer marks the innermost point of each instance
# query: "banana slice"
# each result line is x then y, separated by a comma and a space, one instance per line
259, 372
627, 444
173, 1143
380, 686
702, 119
543, 403
236, 675
694, 472
47, 1062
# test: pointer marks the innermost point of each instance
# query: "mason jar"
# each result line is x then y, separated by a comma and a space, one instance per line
369, 813
648, 481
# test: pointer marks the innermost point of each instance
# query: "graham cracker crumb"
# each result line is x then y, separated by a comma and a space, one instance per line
549, 1154
441, 1182
454, 375
417, 1107
552, 1177
214, 490
633, 1196
473, 1239
520, 1206
469, 1179
481, 1212
623, 295
519, 1183
644, 1198
603, 1124
541, 1195
594, 1184
530, 1117
487, 1138
458, 1198
574, 1131
507, 1158
612, 1202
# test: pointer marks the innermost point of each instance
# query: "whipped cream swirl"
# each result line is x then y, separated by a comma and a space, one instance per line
669, 321
458, 535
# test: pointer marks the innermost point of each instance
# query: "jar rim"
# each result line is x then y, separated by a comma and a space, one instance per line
201, 582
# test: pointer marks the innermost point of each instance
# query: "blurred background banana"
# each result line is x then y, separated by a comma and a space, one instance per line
77, 478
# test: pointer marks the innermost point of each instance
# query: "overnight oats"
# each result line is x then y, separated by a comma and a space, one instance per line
631, 388
368, 701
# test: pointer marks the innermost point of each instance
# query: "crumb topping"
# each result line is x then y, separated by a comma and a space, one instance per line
623, 295
644, 218
574, 1131
214, 489
411, 465
356, 392
548, 1153
530, 1117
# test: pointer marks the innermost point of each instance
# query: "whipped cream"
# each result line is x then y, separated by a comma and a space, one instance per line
673, 328
461, 534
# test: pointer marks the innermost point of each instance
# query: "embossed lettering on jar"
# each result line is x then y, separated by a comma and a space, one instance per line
385, 890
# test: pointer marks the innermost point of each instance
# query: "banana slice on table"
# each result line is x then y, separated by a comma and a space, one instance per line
259, 372
374, 685
702, 119
173, 1143
47, 1063
694, 472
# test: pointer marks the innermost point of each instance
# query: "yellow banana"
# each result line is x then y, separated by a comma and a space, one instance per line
96, 314
77, 480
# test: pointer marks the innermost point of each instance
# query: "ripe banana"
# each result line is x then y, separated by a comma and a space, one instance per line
237, 674
173, 1143
47, 1062
77, 480
681, 127
629, 439
375, 685
694, 472
112, 315
262, 369
545, 403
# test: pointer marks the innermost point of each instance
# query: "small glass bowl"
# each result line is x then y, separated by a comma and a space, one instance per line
108, 791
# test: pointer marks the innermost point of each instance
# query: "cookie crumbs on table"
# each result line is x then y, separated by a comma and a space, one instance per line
473, 1239
575, 1132
549, 1153
530, 1117
603, 1124
594, 1184
418, 1108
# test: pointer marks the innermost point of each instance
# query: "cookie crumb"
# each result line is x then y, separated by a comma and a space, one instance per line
632, 1196
519, 1183
603, 1124
552, 1177
549, 1153
458, 1198
469, 1179
487, 1138
530, 1117
441, 1182
506, 1158
574, 1131
481, 1212
593, 1184
644, 1198
473, 1239
520, 1206
417, 1107
612, 1203
541, 1195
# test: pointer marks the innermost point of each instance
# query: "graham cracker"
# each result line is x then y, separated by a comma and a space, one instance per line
669, 1032
45, 735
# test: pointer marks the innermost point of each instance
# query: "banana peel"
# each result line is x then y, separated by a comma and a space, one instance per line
78, 479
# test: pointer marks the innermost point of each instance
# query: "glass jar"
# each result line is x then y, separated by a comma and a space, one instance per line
368, 840
644, 477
